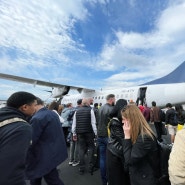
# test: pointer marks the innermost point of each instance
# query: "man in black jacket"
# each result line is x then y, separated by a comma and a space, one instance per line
103, 119
15, 137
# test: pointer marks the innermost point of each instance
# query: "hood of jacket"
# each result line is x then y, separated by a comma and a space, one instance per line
10, 112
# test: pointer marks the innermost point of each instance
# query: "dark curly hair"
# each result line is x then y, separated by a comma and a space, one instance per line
20, 98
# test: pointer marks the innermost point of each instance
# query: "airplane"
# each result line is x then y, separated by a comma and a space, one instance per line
58, 90
170, 88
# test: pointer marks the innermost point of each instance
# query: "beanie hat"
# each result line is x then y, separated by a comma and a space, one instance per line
18, 99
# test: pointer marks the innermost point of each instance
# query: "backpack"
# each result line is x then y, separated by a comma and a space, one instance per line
164, 153
70, 116
175, 119
162, 115
108, 125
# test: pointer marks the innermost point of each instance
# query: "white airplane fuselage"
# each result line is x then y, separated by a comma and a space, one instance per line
173, 93
161, 93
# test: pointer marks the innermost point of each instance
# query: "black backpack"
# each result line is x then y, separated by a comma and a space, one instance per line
164, 153
162, 115
175, 119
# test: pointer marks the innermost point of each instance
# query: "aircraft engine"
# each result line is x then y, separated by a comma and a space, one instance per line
65, 90
59, 92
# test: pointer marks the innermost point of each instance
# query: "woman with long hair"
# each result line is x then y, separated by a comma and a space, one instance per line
140, 147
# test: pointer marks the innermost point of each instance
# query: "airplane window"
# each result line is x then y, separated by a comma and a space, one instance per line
102, 97
99, 97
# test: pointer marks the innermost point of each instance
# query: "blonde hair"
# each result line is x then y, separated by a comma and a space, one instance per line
138, 124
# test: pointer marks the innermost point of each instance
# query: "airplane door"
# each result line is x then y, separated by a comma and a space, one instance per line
141, 98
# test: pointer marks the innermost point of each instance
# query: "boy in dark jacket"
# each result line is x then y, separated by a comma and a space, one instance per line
15, 137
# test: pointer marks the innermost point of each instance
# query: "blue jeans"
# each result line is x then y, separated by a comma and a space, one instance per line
74, 151
102, 143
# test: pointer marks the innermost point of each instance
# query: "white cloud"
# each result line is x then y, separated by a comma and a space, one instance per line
172, 22
152, 54
40, 27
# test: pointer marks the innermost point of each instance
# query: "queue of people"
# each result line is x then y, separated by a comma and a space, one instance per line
128, 156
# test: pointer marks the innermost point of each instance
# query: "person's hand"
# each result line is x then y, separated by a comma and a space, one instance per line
75, 138
126, 128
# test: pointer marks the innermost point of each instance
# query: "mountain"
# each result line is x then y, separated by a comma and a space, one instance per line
176, 76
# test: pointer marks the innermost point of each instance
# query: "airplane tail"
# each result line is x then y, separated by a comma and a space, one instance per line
176, 76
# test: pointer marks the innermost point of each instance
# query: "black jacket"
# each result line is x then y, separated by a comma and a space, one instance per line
171, 117
14, 142
103, 119
116, 138
142, 160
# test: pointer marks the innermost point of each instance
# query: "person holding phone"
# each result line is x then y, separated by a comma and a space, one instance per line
140, 148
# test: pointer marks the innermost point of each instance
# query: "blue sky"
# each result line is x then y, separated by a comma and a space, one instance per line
89, 43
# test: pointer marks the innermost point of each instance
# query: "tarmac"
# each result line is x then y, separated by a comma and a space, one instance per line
70, 175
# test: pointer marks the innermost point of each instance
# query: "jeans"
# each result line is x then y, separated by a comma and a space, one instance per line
74, 151
102, 142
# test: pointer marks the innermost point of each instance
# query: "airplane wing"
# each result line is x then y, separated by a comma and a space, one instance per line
42, 83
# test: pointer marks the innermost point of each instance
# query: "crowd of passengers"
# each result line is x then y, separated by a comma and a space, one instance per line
34, 140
